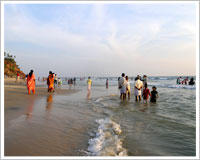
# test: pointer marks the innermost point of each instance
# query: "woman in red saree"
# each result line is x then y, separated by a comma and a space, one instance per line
31, 82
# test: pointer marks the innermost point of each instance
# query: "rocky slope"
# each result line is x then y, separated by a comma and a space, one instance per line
11, 68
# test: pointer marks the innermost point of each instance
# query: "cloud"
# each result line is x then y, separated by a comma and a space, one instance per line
94, 37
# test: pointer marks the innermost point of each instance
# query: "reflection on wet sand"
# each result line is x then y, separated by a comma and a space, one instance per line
88, 95
29, 109
49, 102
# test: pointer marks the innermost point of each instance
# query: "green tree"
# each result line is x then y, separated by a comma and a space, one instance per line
12, 69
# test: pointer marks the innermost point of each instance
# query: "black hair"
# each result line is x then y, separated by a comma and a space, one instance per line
154, 87
123, 74
31, 73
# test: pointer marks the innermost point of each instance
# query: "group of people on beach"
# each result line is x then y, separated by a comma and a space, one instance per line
140, 89
140, 86
185, 81
51, 81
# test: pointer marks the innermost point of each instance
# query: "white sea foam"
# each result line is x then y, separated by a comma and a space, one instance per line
106, 141
98, 100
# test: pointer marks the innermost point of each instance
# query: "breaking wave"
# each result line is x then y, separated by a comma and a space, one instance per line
106, 140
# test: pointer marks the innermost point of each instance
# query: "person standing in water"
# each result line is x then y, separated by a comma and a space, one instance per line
31, 82
55, 80
154, 94
122, 86
144, 79
178, 81
138, 89
146, 93
191, 81
89, 83
50, 82
128, 88
186, 80
107, 83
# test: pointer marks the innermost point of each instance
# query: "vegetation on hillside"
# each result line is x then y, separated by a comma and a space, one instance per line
10, 67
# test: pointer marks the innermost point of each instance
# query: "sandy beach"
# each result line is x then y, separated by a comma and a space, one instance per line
16, 95
16, 92
18, 104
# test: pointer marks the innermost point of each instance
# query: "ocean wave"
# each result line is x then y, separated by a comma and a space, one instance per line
173, 86
182, 86
163, 78
106, 141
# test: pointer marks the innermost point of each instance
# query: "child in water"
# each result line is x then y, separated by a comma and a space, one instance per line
146, 93
154, 94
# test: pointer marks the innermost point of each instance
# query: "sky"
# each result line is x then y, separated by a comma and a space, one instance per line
102, 39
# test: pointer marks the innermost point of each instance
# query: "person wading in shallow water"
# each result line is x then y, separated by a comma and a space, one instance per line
146, 93
50, 82
89, 83
31, 82
107, 83
154, 94
122, 87
138, 88
128, 88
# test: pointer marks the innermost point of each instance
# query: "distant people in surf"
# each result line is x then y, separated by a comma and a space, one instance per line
185, 81
31, 82
72, 81
192, 82
55, 80
59, 82
107, 83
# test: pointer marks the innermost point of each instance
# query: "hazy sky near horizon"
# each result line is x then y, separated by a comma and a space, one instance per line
102, 39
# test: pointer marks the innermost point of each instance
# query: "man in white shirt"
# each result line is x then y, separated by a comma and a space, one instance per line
138, 89
122, 86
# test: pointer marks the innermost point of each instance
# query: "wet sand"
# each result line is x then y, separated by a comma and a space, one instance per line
21, 109
16, 96
16, 93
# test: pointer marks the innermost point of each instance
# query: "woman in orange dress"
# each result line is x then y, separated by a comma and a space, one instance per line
31, 82
50, 82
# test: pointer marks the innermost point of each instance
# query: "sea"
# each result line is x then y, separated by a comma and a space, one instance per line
100, 124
